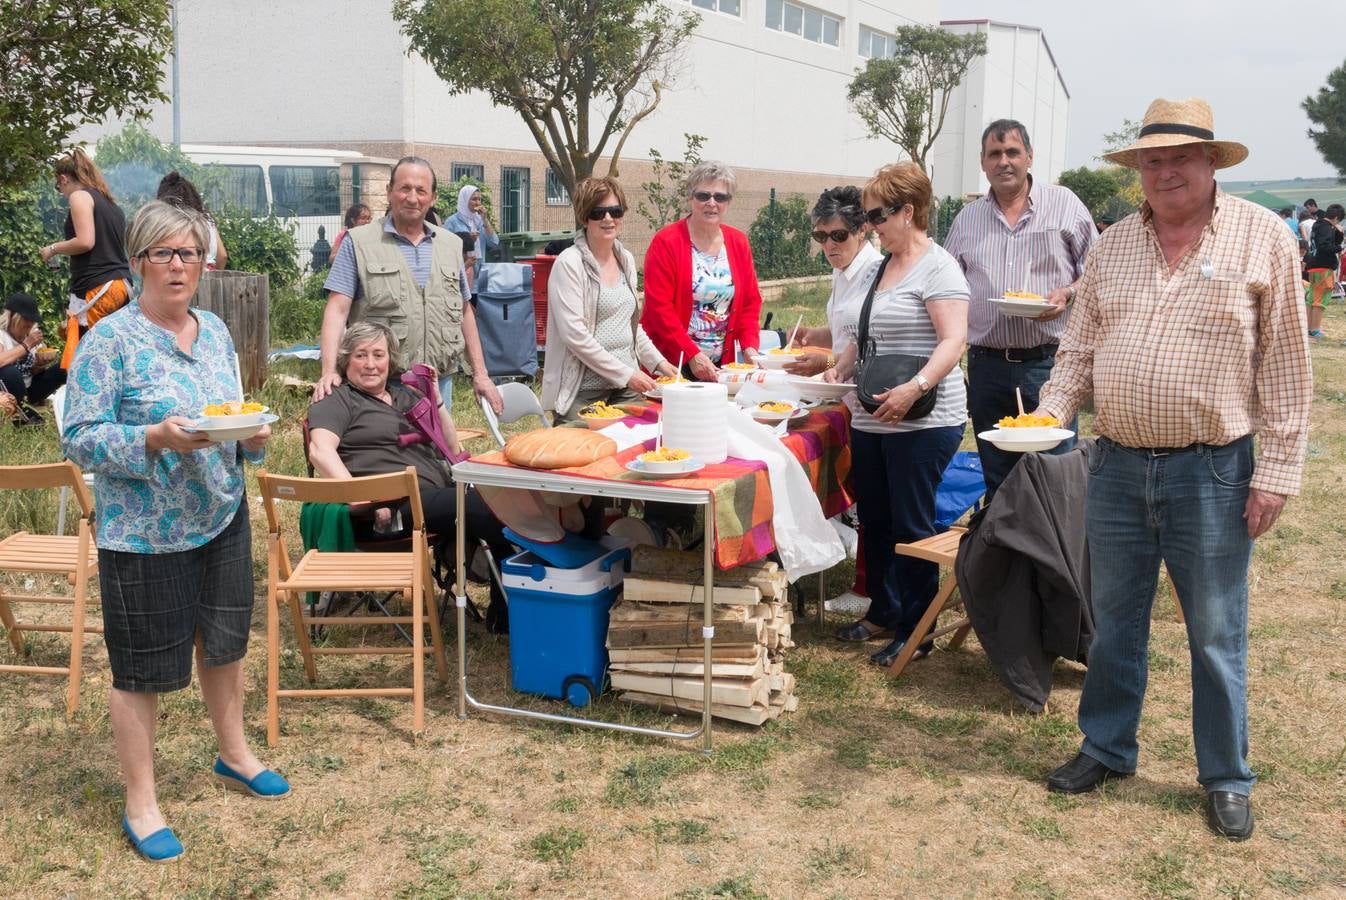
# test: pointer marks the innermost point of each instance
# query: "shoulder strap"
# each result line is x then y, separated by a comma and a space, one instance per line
864, 344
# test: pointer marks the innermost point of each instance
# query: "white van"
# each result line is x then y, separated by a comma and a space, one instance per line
308, 187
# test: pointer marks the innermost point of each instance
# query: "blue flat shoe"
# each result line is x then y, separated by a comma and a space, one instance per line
162, 846
267, 784
889, 654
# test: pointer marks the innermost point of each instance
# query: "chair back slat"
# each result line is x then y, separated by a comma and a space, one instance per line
47, 475
368, 488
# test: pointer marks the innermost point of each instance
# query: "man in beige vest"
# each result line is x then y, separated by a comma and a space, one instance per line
405, 274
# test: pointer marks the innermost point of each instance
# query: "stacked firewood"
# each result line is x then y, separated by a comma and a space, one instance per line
655, 649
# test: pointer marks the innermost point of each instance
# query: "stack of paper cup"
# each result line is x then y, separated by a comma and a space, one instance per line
696, 417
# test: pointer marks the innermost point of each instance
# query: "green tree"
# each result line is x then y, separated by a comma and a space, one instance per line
781, 238
1128, 192
1327, 110
666, 191
30, 218
905, 98
1094, 187
578, 72
64, 64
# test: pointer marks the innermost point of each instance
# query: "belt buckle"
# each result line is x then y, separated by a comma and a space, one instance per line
1159, 452
1008, 358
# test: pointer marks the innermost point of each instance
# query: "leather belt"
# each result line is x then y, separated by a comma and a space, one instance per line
1016, 354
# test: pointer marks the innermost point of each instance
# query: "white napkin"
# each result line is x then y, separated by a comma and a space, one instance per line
805, 541
629, 435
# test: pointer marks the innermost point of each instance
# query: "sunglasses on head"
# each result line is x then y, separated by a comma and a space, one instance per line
880, 214
837, 236
703, 196
598, 212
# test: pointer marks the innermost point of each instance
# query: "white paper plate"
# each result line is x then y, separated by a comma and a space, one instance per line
1007, 440
688, 467
818, 390
231, 432
775, 361
1024, 309
762, 415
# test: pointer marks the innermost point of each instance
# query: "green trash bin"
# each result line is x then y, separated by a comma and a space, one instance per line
516, 245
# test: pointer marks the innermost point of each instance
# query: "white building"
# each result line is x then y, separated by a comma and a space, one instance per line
1017, 79
764, 81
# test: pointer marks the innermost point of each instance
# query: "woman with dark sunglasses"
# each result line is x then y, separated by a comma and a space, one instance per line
701, 296
595, 343
920, 310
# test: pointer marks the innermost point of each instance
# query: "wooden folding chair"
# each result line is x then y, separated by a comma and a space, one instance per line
940, 549
407, 573
73, 556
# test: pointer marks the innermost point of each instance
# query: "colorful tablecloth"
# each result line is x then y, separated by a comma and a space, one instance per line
742, 493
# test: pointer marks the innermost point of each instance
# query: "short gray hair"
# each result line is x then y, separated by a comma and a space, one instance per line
709, 171
363, 333
157, 221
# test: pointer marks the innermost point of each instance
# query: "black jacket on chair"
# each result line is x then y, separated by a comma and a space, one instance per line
1023, 571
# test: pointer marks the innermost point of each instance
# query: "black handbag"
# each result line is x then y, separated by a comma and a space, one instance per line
876, 373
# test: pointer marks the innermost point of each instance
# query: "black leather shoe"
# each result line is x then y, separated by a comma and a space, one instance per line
893, 649
1081, 775
1230, 815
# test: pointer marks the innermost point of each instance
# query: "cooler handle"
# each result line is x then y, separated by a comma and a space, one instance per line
622, 555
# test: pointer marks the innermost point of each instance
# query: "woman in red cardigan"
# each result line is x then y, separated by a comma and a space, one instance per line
701, 296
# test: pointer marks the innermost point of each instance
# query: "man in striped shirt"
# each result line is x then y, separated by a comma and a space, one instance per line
1022, 236
1190, 333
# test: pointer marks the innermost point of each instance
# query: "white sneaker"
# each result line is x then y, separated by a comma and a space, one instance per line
850, 603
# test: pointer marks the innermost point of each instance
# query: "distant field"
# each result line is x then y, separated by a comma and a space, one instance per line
1294, 190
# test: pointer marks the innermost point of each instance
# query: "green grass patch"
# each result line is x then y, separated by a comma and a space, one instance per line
831, 860
737, 887
641, 780
556, 845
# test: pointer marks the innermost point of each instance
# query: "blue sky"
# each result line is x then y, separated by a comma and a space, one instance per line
1254, 62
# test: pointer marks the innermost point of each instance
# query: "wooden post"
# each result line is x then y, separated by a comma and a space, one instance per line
241, 299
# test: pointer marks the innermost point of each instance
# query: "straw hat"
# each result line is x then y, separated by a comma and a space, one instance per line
1170, 123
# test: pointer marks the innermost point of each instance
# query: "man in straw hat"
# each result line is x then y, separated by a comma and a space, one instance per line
1189, 331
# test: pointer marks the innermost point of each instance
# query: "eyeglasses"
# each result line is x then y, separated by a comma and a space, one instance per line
162, 256
704, 196
598, 212
880, 214
837, 236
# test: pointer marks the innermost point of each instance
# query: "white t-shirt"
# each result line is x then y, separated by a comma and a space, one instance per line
849, 287
8, 343
899, 323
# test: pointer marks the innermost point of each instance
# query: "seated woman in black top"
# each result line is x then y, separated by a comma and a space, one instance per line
355, 431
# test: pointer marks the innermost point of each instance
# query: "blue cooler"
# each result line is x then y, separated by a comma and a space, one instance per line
558, 617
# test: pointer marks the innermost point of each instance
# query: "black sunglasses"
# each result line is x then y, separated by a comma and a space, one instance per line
880, 214
598, 212
703, 196
837, 236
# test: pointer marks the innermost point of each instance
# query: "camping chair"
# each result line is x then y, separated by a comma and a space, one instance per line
407, 573
519, 401
961, 488
58, 413
74, 557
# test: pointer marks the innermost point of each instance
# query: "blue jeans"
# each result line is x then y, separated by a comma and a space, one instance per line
446, 391
990, 397
1185, 508
897, 476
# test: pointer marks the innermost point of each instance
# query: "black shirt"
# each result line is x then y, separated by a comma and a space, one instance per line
1324, 245
107, 260
368, 429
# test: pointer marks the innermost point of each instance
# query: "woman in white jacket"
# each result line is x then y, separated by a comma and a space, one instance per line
595, 345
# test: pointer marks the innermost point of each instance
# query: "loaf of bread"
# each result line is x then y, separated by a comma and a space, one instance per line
558, 448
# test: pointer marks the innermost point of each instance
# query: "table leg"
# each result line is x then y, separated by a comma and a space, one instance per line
460, 593
822, 597
708, 626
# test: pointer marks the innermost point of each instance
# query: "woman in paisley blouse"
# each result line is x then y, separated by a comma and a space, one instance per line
174, 545
701, 297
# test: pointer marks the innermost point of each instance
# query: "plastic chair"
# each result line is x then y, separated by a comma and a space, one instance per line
406, 573
520, 401
29, 554
58, 413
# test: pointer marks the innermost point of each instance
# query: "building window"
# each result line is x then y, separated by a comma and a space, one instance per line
728, 7
557, 195
474, 171
516, 199
804, 21
876, 44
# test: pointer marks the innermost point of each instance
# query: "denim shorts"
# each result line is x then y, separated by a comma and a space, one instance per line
155, 604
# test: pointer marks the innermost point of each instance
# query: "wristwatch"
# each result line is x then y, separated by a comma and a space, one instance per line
921, 382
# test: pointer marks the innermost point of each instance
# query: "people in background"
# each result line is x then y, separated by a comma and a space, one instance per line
596, 346
29, 372
407, 275
470, 216
919, 309
1024, 235
174, 543
1320, 265
701, 298
1185, 359
356, 214
173, 188
95, 231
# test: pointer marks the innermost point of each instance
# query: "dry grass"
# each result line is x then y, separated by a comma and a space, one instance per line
928, 786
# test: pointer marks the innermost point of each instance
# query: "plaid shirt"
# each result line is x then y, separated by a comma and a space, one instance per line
1206, 352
